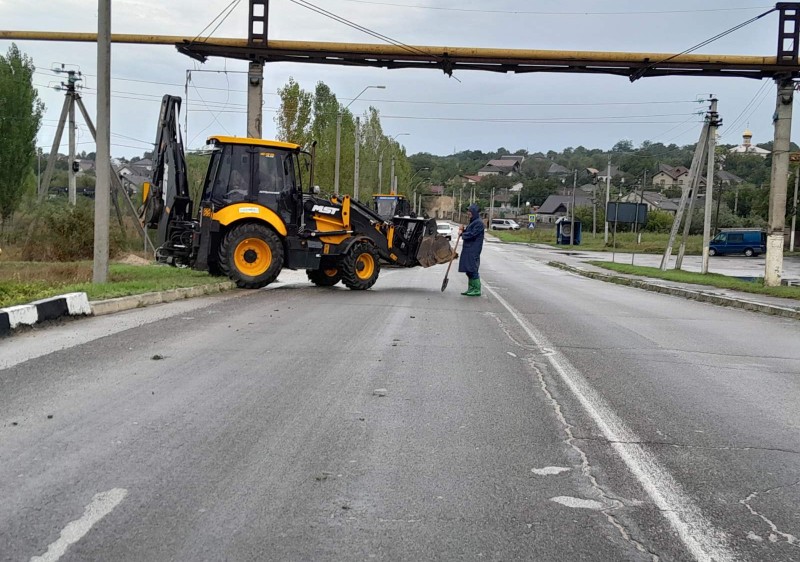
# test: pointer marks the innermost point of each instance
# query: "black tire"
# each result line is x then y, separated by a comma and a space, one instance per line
251, 255
749, 252
712, 252
324, 277
214, 269
360, 267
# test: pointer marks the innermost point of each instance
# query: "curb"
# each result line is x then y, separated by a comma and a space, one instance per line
119, 304
77, 304
720, 300
71, 304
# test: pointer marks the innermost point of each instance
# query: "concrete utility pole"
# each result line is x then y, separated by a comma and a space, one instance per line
339, 137
710, 171
779, 181
257, 36
102, 192
572, 209
391, 178
608, 194
255, 95
357, 163
794, 210
688, 189
73, 190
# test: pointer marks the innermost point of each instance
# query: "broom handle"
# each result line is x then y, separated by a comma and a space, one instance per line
453, 256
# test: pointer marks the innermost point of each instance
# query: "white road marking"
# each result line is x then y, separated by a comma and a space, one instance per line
102, 504
578, 503
549, 470
700, 537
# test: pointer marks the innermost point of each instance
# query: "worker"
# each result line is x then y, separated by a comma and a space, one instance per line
470, 259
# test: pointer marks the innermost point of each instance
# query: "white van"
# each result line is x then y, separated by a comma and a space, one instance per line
504, 224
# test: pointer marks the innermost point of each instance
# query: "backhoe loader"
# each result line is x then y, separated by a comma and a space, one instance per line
259, 212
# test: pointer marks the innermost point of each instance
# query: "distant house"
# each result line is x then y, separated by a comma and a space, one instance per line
142, 167
436, 189
517, 187
557, 170
654, 201
727, 178
556, 206
472, 179
668, 177
602, 175
501, 167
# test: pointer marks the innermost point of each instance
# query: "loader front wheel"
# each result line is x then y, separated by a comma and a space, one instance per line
324, 277
360, 267
251, 255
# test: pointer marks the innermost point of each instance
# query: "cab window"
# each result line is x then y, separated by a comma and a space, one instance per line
232, 180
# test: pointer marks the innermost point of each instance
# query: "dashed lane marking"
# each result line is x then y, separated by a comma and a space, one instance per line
101, 505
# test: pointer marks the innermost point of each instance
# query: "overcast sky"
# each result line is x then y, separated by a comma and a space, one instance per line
439, 114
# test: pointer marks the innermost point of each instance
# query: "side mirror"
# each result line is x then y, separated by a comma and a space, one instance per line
316, 190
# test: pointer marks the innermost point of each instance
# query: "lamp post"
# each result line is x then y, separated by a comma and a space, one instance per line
380, 161
415, 186
339, 136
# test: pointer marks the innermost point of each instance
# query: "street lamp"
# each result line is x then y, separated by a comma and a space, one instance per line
339, 136
380, 162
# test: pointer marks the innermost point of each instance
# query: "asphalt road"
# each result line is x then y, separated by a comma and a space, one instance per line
554, 418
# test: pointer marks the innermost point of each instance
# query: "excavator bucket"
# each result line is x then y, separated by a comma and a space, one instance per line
433, 250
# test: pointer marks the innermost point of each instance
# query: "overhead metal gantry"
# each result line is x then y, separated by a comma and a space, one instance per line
450, 59
259, 49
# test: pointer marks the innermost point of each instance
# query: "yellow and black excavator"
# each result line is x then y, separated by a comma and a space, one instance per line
259, 212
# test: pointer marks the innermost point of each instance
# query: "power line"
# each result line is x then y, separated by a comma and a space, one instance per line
380, 36
544, 13
229, 8
760, 92
639, 73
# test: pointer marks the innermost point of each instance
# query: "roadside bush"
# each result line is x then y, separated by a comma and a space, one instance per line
659, 221
60, 232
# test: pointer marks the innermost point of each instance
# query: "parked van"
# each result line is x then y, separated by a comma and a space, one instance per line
504, 224
747, 241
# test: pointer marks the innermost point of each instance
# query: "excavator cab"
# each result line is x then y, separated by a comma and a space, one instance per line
392, 205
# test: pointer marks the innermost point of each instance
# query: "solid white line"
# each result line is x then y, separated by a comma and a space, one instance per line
101, 505
703, 541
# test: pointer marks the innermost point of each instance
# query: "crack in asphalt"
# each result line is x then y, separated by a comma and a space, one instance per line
586, 469
612, 503
789, 538
685, 446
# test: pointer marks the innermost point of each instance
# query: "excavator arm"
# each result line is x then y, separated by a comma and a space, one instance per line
166, 198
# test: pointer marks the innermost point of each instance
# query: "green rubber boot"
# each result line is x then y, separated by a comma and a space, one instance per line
470, 287
475, 290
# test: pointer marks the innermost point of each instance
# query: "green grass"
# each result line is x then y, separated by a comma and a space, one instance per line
710, 279
652, 243
23, 282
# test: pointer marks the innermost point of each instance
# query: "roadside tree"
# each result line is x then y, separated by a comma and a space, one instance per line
20, 118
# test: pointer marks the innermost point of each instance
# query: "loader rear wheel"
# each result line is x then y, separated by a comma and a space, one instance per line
251, 255
324, 277
360, 267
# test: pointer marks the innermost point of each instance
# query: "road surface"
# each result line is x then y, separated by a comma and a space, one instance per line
553, 418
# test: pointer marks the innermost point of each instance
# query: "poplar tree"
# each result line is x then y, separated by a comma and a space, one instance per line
20, 118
